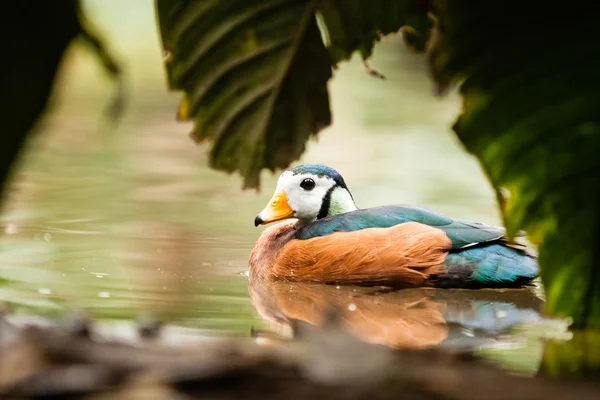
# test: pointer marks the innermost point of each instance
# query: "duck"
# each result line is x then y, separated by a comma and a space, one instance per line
323, 237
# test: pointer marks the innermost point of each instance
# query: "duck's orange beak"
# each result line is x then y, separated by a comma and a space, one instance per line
277, 209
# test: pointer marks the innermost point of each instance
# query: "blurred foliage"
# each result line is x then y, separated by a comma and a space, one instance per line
27, 77
530, 114
255, 73
575, 358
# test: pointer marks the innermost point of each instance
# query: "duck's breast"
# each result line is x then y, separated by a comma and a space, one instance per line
267, 248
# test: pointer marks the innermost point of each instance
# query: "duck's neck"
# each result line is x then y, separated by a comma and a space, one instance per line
337, 201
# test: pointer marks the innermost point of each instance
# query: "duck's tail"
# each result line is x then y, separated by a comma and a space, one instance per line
492, 265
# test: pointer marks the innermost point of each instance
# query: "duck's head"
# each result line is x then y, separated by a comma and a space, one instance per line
307, 192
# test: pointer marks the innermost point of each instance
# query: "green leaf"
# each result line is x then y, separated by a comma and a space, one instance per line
254, 73
356, 25
578, 357
531, 117
35, 37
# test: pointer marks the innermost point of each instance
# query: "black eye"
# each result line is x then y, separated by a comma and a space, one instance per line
307, 184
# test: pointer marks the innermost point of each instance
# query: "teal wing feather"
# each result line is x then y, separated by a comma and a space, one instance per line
493, 265
462, 233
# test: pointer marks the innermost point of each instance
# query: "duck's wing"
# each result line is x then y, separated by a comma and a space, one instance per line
461, 233
403, 255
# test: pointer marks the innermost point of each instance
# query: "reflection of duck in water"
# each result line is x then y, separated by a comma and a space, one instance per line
405, 319
335, 242
415, 318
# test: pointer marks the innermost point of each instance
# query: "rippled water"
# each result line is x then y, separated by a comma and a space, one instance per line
128, 220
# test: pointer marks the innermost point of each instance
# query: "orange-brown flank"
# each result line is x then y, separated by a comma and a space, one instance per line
404, 254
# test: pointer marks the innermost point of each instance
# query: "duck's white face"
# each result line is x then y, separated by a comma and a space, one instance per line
296, 196
305, 196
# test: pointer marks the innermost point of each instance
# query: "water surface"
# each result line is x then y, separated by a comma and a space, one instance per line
128, 219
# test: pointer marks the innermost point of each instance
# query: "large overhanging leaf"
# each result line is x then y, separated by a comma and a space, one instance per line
356, 25
531, 115
255, 75
255, 72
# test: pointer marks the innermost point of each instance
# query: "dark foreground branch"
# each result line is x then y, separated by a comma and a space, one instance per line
325, 363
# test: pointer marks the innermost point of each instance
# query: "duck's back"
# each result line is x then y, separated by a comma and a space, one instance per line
477, 255
461, 233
